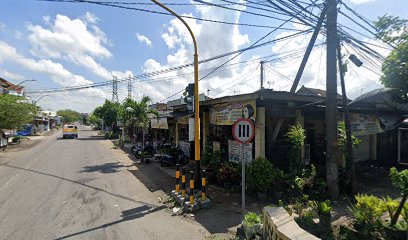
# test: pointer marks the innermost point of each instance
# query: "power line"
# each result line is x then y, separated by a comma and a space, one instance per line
168, 14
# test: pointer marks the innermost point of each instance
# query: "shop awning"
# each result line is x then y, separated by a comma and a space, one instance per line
180, 114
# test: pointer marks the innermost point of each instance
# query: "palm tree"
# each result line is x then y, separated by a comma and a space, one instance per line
134, 112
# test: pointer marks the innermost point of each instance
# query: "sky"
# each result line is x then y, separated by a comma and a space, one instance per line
66, 44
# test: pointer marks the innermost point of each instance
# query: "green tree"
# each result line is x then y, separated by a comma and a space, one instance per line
93, 119
14, 112
132, 111
108, 112
68, 115
395, 67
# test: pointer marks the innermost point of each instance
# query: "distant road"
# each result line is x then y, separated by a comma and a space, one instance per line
81, 189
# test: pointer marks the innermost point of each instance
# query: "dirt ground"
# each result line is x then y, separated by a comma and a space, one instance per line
223, 218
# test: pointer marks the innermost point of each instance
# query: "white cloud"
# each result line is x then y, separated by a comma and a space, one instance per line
58, 74
2, 25
47, 19
361, 1
10, 75
91, 18
72, 40
18, 34
216, 39
144, 39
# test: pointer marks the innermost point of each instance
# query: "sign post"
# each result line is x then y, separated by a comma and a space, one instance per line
243, 131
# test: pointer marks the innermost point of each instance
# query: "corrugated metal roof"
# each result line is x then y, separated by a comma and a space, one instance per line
381, 99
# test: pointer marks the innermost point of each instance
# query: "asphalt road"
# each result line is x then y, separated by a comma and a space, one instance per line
81, 189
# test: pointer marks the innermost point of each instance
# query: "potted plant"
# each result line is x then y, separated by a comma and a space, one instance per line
224, 175
260, 176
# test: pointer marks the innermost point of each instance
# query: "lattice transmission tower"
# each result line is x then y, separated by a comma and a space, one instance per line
115, 89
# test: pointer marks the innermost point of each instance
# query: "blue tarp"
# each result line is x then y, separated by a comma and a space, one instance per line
27, 130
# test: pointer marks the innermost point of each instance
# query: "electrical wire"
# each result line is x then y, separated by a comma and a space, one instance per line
167, 14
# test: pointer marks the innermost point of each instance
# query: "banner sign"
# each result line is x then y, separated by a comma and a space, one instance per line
159, 123
364, 124
234, 154
183, 120
228, 113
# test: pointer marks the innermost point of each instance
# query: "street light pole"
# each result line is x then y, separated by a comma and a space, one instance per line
30, 80
36, 101
196, 97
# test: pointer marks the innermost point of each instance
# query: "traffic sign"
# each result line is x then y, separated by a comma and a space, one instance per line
243, 130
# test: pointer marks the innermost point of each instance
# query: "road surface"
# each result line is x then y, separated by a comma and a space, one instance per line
81, 189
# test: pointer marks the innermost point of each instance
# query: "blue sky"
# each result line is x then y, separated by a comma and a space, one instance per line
68, 44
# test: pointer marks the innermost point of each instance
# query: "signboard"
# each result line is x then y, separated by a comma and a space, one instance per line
234, 152
243, 130
364, 124
159, 123
191, 129
227, 114
185, 148
183, 120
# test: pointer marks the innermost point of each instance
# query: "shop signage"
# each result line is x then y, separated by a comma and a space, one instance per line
229, 113
364, 124
234, 152
183, 120
159, 123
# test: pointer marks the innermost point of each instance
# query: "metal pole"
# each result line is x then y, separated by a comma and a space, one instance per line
243, 180
196, 97
331, 106
302, 67
351, 169
262, 75
308, 50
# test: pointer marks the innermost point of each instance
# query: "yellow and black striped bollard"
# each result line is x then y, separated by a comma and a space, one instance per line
177, 178
183, 183
192, 188
203, 183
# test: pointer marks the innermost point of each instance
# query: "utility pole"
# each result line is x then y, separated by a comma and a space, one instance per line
115, 89
331, 105
129, 87
302, 66
351, 168
262, 74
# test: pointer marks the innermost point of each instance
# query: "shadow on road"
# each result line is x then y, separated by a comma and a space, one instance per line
104, 168
220, 218
80, 183
127, 215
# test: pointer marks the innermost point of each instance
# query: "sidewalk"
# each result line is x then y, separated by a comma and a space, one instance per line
222, 218
26, 142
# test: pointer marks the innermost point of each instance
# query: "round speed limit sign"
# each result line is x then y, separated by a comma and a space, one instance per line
243, 130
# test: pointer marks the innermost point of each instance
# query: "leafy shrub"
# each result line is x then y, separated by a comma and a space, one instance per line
225, 172
296, 136
251, 219
367, 213
260, 175
400, 181
323, 208
210, 158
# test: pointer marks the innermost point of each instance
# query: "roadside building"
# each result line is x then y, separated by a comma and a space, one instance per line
273, 112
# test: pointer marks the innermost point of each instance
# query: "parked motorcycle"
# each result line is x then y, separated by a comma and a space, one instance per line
145, 153
172, 156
